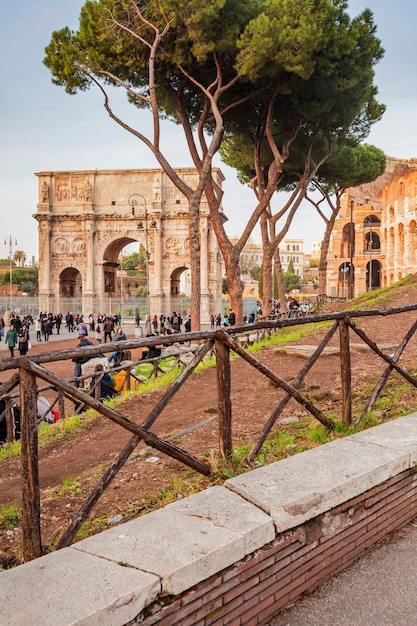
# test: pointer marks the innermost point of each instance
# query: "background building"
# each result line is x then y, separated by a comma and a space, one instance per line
373, 243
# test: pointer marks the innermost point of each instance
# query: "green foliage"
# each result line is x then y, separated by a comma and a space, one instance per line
318, 435
19, 257
131, 262
349, 165
26, 276
255, 272
92, 527
230, 67
10, 516
10, 450
71, 486
291, 281
141, 291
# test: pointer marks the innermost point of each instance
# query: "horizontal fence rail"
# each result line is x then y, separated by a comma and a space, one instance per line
29, 377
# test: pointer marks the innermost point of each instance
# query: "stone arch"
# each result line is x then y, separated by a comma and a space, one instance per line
373, 275
88, 217
347, 244
346, 280
177, 289
391, 214
400, 251
70, 283
412, 231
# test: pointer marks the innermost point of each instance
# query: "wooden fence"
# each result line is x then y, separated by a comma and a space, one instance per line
28, 371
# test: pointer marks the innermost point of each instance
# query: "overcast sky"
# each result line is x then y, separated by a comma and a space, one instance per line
43, 128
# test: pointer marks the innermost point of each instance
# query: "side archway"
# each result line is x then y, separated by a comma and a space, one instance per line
70, 290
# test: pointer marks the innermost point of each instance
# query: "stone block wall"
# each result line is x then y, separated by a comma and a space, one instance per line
234, 554
295, 563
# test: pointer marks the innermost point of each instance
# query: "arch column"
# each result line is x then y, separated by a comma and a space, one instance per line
45, 290
204, 268
88, 296
156, 291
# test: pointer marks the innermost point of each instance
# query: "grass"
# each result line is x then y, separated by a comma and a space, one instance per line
382, 297
283, 442
71, 486
10, 516
288, 335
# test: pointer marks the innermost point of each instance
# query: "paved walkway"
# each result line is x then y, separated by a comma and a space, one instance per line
380, 589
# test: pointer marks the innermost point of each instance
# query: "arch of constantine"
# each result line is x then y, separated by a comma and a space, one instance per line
86, 218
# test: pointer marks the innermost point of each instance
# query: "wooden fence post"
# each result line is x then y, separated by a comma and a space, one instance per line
345, 372
61, 406
223, 398
31, 530
9, 420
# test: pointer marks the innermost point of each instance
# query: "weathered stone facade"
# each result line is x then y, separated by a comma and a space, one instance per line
85, 218
374, 239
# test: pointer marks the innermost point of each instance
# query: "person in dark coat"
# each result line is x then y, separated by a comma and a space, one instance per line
23, 340
107, 389
78, 361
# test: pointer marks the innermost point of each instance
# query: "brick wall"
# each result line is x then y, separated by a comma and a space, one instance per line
297, 562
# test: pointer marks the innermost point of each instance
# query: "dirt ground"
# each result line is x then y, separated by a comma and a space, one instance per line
190, 419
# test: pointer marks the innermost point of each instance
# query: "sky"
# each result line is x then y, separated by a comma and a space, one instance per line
44, 129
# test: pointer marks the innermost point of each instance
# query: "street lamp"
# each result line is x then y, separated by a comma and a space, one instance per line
144, 227
352, 245
12, 242
121, 289
345, 270
368, 222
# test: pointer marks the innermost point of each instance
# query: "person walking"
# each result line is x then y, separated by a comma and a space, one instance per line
58, 322
11, 339
108, 327
23, 340
38, 329
45, 329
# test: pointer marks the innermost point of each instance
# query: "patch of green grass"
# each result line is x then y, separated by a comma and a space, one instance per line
10, 450
381, 297
10, 516
286, 335
71, 486
319, 435
92, 527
